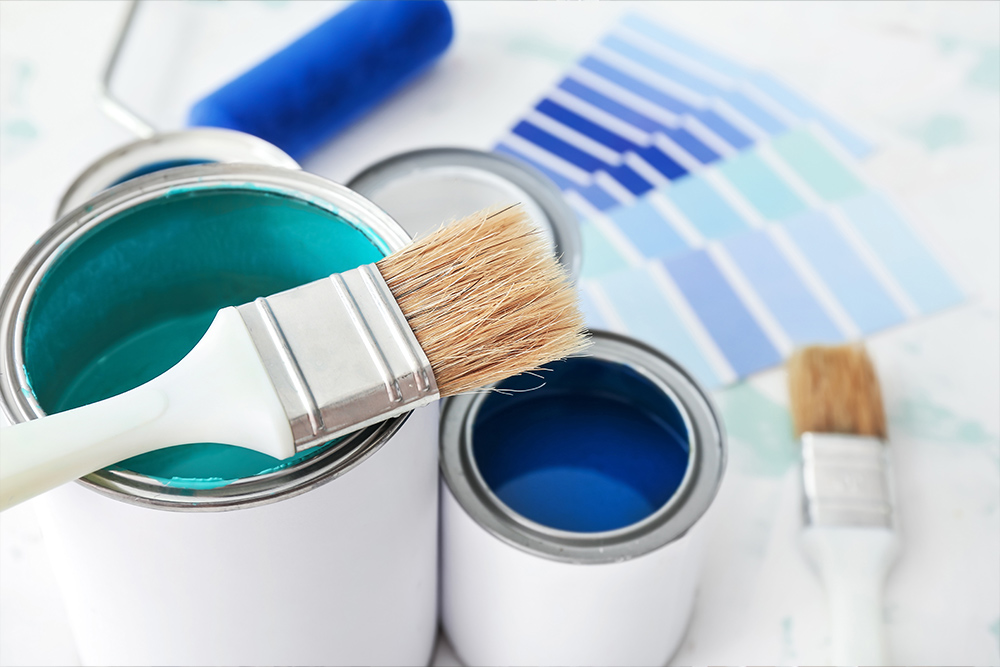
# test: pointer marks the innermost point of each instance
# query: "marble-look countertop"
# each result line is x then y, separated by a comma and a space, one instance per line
921, 80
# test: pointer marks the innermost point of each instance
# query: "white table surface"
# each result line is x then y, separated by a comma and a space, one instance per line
921, 80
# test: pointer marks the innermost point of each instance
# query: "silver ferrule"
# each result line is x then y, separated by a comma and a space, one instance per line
340, 354
846, 481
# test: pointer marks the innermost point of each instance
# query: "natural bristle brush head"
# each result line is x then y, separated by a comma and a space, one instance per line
835, 390
486, 299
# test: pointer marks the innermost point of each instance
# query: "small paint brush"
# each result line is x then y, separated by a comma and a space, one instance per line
475, 302
849, 512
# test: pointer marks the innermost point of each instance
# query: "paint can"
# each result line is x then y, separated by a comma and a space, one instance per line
196, 557
170, 149
572, 519
423, 188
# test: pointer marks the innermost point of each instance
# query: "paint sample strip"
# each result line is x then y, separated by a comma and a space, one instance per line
800, 278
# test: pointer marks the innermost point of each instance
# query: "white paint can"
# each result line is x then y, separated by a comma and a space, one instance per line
330, 558
572, 515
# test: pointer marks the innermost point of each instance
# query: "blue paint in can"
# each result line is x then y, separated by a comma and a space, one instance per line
599, 447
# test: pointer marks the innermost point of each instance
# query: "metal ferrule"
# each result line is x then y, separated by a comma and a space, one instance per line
340, 354
846, 481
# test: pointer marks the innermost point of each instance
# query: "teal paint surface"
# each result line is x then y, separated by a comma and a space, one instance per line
817, 166
762, 187
134, 295
705, 208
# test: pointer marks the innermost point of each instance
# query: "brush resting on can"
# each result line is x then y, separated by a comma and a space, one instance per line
473, 303
850, 524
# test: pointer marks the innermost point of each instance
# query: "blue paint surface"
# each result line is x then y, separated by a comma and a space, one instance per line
857, 290
597, 448
731, 325
705, 208
133, 296
909, 261
781, 289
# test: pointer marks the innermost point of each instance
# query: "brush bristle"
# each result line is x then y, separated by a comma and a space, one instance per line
835, 390
486, 300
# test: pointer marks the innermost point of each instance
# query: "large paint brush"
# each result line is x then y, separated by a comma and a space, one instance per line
471, 304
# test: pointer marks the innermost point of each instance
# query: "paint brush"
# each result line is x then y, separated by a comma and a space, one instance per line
849, 513
475, 302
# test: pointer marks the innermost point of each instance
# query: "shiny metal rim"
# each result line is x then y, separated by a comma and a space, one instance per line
669, 523
19, 404
562, 219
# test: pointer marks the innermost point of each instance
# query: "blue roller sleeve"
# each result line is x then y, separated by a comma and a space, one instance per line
306, 93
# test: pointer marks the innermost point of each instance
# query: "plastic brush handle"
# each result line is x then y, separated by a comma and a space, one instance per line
304, 94
853, 562
219, 392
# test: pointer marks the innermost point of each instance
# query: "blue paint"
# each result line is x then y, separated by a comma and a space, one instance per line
762, 187
782, 290
909, 261
853, 284
731, 325
627, 176
680, 136
662, 162
597, 448
133, 296
647, 230
586, 127
705, 208
598, 197
648, 316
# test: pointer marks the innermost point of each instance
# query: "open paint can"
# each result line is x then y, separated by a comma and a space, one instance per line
424, 188
573, 513
209, 554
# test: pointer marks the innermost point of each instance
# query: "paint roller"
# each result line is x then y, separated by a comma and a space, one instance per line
306, 93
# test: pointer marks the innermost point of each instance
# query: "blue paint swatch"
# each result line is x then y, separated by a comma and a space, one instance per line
598, 197
591, 313
762, 187
703, 206
650, 317
798, 313
647, 230
842, 270
558, 147
913, 266
599, 255
721, 310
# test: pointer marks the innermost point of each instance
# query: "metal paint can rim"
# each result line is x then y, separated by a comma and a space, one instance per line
670, 522
17, 400
203, 144
560, 218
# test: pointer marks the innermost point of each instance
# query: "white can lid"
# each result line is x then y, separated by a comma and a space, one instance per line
425, 188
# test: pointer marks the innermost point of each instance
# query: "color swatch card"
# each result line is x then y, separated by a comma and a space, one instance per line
648, 107
723, 217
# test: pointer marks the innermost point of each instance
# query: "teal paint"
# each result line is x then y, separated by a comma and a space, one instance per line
817, 166
762, 187
133, 296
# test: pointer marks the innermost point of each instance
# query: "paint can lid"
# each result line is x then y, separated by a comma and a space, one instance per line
615, 369
423, 188
170, 149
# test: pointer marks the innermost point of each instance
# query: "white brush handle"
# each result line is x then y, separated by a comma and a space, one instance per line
853, 562
219, 392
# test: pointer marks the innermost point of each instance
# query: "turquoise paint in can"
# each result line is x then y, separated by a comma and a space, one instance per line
114, 293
